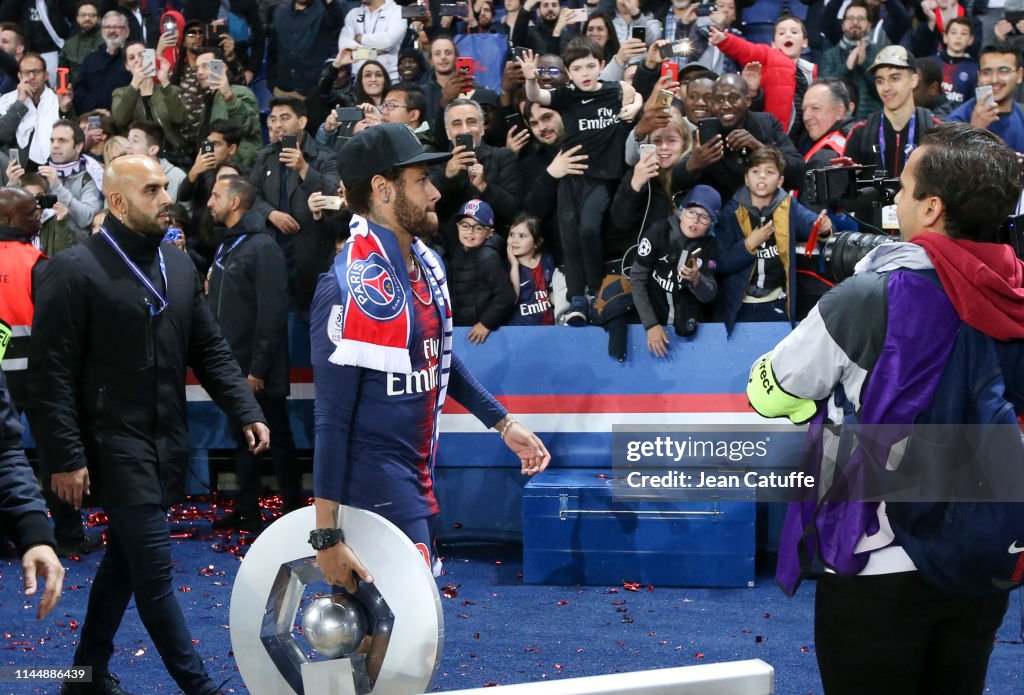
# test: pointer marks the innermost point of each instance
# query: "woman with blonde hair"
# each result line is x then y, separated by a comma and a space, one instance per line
116, 146
645, 194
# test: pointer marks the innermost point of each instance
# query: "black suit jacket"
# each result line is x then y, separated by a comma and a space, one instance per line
108, 378
309, 252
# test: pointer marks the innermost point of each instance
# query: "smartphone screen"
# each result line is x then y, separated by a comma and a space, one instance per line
149, 61
465, 140
414, 12
217, 68
349, 114
707, 129
457, 9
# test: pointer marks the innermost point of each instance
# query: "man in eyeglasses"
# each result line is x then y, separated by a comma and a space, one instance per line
721, 161
104, 69
1000, 68
118, 320
406, 104
29, 112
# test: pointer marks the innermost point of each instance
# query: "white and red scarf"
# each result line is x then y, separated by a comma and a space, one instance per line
373, 330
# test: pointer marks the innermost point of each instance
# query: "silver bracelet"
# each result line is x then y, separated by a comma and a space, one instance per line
508, 423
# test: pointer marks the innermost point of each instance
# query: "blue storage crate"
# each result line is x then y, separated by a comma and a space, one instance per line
583, 526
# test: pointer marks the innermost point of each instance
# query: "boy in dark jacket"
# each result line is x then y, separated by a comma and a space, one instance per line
757, 244
481, 294
673, 276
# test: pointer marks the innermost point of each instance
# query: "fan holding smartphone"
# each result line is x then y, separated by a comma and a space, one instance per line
994, 107
673, 274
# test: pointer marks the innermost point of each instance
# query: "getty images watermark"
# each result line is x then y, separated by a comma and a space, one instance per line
685, 460
895, 463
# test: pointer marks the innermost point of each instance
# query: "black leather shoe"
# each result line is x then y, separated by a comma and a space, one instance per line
107, 684
87, 544
240, 521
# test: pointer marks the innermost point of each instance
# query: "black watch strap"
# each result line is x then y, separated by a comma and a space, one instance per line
323, 538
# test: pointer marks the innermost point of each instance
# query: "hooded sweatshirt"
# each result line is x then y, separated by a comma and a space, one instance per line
984, 281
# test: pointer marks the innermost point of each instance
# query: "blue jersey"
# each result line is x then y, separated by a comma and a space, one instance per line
374, 430
533, 308
959, 77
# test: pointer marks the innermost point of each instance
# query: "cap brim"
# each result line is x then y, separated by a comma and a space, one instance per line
422, 158
890, 65
426, 158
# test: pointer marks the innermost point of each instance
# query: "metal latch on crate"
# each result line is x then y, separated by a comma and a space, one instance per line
564, 511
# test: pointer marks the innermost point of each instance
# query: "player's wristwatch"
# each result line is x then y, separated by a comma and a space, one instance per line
323, 538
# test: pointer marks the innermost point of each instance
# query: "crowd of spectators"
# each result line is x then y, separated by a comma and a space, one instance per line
662, 140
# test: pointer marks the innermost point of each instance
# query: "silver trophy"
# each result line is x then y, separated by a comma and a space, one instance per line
384, 639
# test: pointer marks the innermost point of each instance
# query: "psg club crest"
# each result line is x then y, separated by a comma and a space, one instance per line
374, 287
293, 635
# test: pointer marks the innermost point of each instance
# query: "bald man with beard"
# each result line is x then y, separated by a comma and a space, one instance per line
119, 319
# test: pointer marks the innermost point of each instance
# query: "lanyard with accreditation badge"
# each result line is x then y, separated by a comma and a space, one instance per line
162, 303
910, 139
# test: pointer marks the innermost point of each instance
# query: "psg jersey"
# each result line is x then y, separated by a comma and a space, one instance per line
534, 306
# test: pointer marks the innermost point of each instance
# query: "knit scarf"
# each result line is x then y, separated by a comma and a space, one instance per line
93, 168
373, 328
67, 168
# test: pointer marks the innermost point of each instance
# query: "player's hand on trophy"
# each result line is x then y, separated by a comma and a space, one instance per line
338, 563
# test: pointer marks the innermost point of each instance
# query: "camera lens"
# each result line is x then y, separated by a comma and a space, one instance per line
844, 250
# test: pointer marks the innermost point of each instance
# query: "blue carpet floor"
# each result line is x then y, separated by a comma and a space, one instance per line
498, 630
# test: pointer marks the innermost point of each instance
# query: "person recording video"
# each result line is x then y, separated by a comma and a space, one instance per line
928, 331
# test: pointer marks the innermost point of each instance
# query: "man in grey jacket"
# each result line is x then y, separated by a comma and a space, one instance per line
73, 178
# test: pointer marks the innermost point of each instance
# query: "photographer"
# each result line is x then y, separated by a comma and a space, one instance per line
150, 97
233, 102
926, 332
